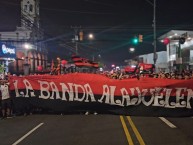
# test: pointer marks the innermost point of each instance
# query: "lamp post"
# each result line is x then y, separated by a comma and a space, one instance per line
182, 40
154, 28
154, 31
91, 37
76, 37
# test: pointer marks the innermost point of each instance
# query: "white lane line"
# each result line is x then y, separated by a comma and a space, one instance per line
27, 134
167, 122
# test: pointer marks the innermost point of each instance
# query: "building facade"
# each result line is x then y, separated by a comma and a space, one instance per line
27, 40
179, 46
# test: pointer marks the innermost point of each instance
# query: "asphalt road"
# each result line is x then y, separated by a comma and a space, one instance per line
95, 130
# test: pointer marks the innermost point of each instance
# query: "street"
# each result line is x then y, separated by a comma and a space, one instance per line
98, 129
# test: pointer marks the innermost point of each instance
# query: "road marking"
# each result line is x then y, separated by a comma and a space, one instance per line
27, 134
167, 122
129, 139
137, 134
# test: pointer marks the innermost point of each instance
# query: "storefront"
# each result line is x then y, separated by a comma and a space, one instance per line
179, 53
7, 56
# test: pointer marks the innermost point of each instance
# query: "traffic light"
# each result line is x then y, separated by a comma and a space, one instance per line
140, 38
81, 35
135, 40
182, 40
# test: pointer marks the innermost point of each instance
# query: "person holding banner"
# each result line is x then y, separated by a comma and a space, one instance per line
5, 99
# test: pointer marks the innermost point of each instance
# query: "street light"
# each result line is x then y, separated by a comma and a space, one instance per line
113, 65
91, 37
26, 46
132, 49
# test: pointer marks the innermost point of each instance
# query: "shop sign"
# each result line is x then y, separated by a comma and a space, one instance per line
7, 51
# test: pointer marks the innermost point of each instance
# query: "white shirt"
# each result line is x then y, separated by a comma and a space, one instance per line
5, 92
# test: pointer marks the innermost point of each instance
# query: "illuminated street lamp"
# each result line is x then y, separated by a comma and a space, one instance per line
131, 50
26, 46
91, 36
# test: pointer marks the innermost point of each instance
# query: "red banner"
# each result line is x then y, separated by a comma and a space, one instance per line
101, 90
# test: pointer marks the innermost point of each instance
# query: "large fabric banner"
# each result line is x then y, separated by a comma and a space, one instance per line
81, 92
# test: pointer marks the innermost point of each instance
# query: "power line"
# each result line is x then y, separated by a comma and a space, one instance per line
77, 12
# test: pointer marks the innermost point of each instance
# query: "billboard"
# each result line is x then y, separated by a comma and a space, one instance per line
7, 51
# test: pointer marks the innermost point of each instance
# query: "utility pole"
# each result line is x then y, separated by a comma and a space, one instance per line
154, 33
154, 30
76, 38
179, 58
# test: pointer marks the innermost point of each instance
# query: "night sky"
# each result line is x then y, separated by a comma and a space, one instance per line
113, 23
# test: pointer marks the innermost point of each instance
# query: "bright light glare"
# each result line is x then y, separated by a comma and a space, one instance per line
91, 36
133, 66
132, 49
26, 46
135, 40
189, 38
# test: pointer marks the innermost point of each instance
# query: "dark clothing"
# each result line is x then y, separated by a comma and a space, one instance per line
6, 103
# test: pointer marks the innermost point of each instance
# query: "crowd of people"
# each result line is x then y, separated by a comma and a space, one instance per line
163, 75
6, 104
